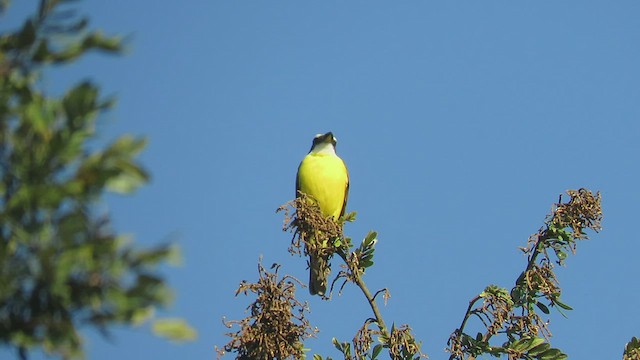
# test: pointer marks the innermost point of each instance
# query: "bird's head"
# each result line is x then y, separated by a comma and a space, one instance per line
323, 143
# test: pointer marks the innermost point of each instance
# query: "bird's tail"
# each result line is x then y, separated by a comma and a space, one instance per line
318, 274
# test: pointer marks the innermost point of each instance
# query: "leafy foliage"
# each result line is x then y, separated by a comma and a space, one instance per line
513, 326
175, 329
311, 228
513, 314
632, 350
61, 264
364, 253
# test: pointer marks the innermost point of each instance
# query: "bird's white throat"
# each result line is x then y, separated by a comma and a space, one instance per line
324, 148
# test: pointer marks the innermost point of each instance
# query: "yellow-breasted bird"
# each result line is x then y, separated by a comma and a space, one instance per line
323, 176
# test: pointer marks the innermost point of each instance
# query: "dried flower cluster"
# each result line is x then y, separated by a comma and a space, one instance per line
310, 227
276, 326
583, 211
320, 236
363, 339
402, 344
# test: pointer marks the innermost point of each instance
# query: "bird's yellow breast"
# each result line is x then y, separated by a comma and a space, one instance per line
324, 177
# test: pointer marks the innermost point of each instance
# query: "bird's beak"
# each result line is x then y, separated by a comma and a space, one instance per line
328, 137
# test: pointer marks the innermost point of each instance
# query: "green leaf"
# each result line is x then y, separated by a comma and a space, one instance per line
534, 342
376, 351
142, 315
542, 307
519, 345
371, 237
123, 175
174, 255
80, 103
127, 182
523, 344
27, 35
552, 354
557, 302
174, 329
561, 255
337, 344
539, 349
97, 40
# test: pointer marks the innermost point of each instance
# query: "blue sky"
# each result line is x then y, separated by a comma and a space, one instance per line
460, 123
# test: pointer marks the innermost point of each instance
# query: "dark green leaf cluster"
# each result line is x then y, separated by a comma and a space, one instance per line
356, 261
61, 264
53, 36
527, 348
530, 348
364, 253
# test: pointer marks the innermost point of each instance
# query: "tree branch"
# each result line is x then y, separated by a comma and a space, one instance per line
357, 279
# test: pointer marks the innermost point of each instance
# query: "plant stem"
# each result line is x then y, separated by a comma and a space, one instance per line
357, 279
464, 320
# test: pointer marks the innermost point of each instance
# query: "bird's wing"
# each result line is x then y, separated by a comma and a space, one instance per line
346, 191
298, 181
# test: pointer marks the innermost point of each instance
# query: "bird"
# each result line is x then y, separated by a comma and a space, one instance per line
323, 176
